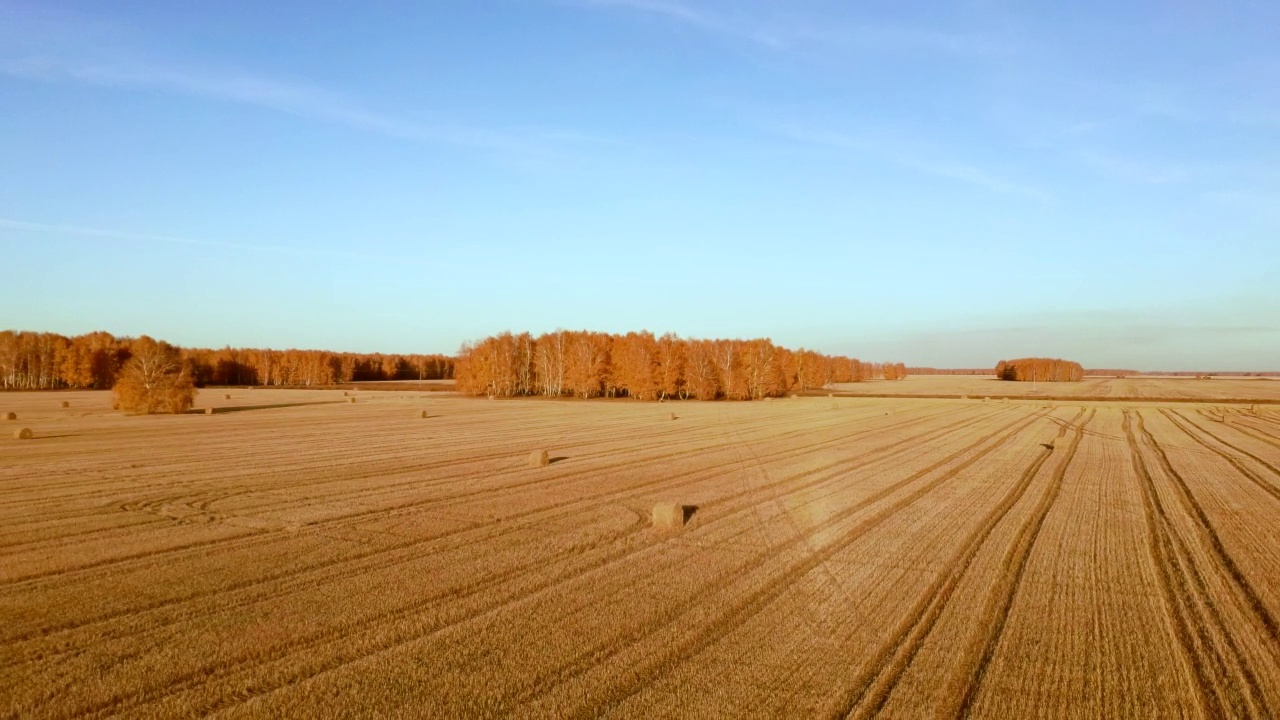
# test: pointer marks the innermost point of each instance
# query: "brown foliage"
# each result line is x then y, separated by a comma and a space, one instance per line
154, 380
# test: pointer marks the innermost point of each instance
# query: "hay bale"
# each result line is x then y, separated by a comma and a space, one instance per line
11, 416
66, 404
539, 458
424, 414
768, 399
208, 411
352, 400
673, 416
345, 393
986, 399
668, 516
795, 396
1004, 401
226, 396
23, 434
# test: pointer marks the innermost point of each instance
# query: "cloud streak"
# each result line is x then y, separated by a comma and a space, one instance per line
790, 33
297, 99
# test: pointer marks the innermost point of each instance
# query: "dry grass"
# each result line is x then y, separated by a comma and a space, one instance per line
936, 562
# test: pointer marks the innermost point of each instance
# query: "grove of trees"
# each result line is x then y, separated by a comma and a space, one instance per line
47, 361
1039, 370
639, 365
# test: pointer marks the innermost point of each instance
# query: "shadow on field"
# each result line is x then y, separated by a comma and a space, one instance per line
243, 408
689, 511
554, 460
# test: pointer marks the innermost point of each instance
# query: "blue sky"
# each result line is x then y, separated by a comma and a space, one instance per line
943, 184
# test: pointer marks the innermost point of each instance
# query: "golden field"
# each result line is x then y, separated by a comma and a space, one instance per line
299, 555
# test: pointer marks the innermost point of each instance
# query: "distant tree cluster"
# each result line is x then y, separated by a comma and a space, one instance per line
1106, 372
639, 365
47, 361
947, 371
1039, 370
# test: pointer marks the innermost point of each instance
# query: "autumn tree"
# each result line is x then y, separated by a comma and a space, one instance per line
154, 380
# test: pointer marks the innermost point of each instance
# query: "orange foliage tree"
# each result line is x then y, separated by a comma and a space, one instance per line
154, 380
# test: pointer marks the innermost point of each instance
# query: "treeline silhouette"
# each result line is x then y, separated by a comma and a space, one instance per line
1039, 370
639, 365
947, 371
48, 361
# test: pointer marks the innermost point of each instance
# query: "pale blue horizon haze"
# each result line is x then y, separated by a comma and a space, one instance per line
939, 184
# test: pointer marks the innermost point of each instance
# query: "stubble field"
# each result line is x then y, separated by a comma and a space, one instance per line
300, 555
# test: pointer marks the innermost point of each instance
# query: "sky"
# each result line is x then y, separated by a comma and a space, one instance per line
942, 184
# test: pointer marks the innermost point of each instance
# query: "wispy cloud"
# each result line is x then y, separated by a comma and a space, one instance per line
791, 32
24, 226
298, 99
905, 155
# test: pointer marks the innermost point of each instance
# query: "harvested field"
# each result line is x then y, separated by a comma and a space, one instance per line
295, 555
1239, 389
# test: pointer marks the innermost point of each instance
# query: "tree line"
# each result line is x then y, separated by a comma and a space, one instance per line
1039, 370
48, 361
639, 365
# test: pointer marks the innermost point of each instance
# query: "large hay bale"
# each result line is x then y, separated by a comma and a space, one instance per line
66, 404
539, 458
668, 516
208, 411
23, 434
11, 416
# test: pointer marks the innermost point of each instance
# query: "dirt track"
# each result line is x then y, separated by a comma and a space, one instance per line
847, 557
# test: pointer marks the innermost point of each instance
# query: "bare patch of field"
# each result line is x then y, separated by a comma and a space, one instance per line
294, 555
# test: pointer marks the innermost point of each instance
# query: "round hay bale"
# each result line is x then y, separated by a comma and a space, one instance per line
425, 415
226, 396
23, 434
208, 411
352, 400
66, 404
668, 516
986, 399
673, 416
539, 458
11, 416
345, 393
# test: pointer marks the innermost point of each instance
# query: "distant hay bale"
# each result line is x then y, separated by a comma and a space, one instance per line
424, 414
226, 396
356, 389
673, 416
539, 458
345, 393
352, 400
11, 416
668, 516
831, 394
23, 434
795, 396
768, 399
66, 404
208, 411
986, 399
